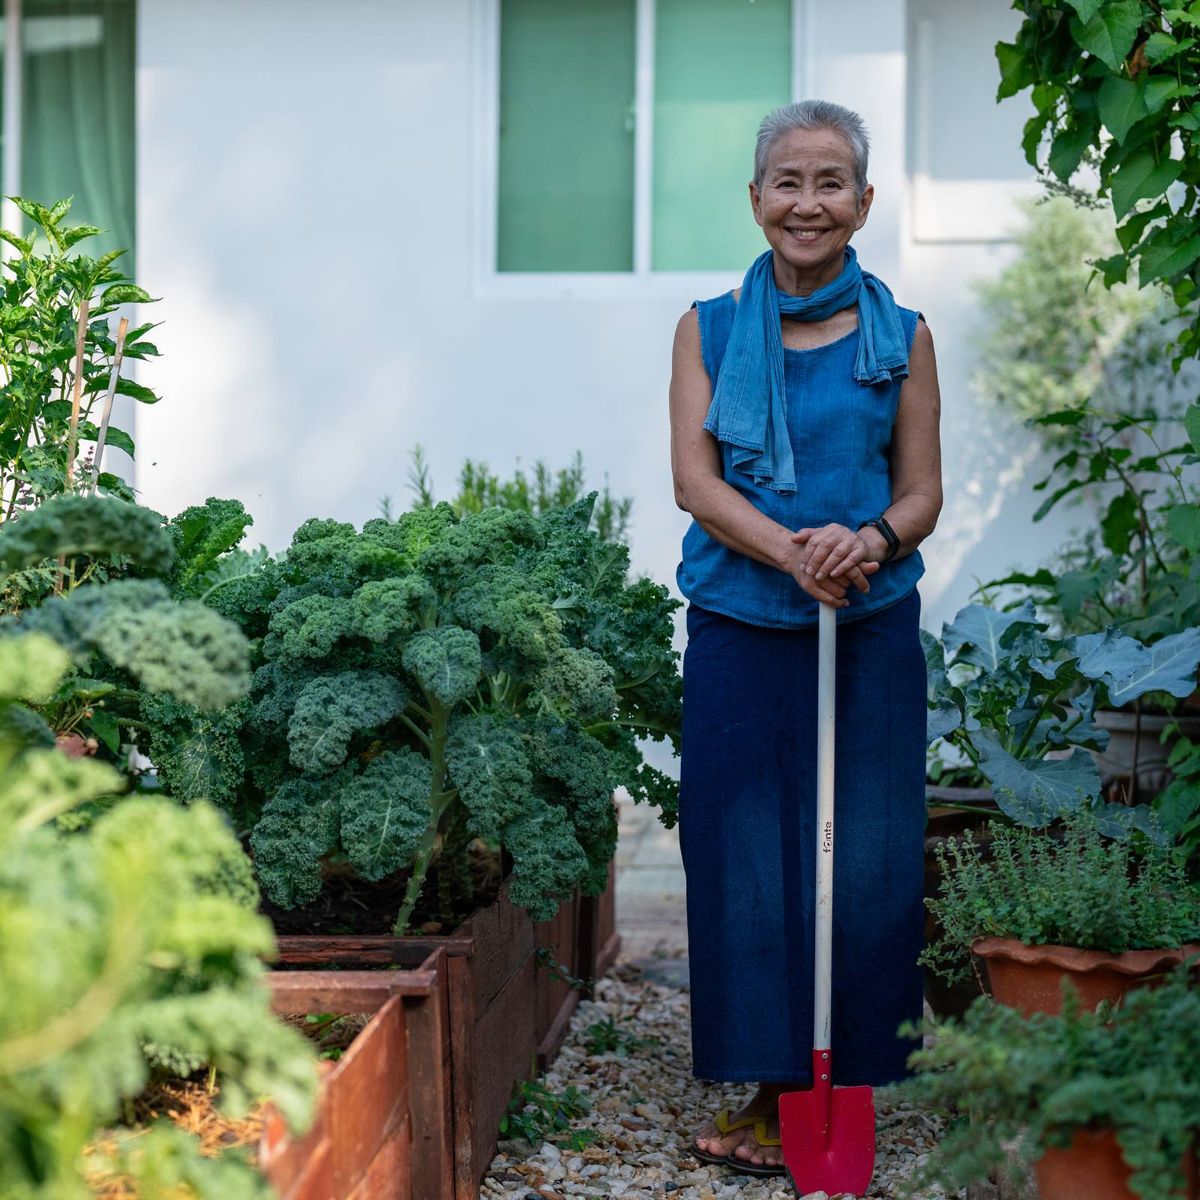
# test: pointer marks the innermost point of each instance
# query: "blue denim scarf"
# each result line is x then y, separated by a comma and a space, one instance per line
749, 405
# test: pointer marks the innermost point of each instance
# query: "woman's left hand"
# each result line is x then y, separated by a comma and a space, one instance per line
835, 551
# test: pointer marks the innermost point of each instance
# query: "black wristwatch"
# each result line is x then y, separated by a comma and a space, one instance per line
889, 536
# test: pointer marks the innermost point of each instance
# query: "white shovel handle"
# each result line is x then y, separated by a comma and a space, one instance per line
823, 969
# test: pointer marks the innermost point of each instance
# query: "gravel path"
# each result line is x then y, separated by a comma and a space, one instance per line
645, 1105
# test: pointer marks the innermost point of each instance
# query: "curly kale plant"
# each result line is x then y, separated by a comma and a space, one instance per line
132, 640
128, 946
431, 680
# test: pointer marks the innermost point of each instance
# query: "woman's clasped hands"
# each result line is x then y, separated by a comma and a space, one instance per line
826, 561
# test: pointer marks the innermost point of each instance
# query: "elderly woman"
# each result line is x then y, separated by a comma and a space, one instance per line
804, 443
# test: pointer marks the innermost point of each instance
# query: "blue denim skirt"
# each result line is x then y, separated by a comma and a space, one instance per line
747, 824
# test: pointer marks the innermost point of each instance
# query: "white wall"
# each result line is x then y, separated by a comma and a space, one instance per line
308, 204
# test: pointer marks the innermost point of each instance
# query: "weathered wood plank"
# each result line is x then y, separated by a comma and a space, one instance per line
298, 992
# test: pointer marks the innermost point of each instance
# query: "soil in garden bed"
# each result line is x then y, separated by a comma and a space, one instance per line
354, 906
191, 1106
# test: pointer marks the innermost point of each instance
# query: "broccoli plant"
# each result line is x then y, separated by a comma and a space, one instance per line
430, 680
126, 946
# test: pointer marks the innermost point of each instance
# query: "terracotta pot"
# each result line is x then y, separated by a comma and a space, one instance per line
1093, 1168
1028, 978
1127, 730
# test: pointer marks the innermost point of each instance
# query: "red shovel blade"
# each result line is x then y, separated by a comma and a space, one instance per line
828, 1135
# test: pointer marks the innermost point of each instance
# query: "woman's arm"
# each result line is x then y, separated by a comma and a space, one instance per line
916, 470
720, 510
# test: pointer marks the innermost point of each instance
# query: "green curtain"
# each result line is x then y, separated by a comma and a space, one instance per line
78, 121
566, 135
719, 67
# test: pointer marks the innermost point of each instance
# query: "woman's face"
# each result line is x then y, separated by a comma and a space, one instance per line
808, 208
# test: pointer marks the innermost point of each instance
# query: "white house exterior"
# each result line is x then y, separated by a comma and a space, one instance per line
316, 204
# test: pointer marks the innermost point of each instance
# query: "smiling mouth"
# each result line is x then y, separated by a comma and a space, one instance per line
806, 235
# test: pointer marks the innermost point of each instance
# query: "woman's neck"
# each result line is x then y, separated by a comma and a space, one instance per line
796, 282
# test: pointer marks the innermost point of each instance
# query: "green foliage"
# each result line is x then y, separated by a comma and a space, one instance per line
44, 285
136, 649
79, 525
1027, 1083
437, 678
1004, 694
1050, 342
540, 1115
607, 1037
1114, 86
1075, 889
480, 488
131, 943
1141, 567
203, 536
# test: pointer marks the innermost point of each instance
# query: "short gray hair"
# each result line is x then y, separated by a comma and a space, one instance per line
814, 114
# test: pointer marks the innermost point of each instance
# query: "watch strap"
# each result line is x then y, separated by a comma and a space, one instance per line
889, 535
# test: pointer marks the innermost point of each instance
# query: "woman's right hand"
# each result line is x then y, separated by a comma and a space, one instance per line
831, 589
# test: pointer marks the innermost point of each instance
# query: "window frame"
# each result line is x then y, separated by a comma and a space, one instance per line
14, 60
642, 278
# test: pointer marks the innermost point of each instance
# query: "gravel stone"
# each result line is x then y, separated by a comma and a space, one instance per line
645, 1107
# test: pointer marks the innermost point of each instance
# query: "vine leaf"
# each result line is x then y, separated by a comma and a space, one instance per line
1109, 31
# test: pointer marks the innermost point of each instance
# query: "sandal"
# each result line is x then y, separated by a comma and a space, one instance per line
724, 1125
744, 1167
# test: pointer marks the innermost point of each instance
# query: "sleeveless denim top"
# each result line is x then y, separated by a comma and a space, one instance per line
841, 435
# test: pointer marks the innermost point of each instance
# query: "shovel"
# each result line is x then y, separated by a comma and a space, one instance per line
828, 1136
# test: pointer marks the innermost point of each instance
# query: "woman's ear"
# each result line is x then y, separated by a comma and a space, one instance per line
755, 203
864, 206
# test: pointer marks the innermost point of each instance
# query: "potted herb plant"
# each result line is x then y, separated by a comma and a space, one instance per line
1104, 1104
1041, 905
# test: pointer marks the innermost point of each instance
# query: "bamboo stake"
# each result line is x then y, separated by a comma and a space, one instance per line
77, 394
73, 435
108, 400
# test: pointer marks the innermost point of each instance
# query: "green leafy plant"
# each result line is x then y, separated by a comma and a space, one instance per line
540, 1115
607, 1037
1073, 888
1050, 341
1144, 573
546, 960
126, 946
1114, 85
133, 643
1015, 1086
480, 488
434, 680
1005, 694
44, 285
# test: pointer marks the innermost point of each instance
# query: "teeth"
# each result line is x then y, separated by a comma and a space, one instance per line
807, 234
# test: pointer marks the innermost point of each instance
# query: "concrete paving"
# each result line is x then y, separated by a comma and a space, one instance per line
651, 912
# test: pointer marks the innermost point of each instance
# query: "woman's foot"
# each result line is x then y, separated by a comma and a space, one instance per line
741, 1144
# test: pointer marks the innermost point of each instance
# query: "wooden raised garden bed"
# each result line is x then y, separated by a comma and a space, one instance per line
505, 1016
383, 1127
